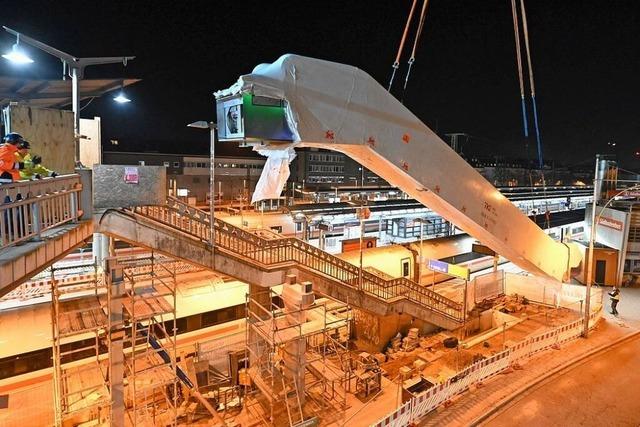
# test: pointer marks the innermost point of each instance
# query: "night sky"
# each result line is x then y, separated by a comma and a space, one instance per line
585, 59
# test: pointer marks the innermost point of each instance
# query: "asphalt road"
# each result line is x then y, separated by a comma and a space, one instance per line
603, 390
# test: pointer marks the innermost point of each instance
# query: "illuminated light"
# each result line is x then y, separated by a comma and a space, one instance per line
17, 56
121, 98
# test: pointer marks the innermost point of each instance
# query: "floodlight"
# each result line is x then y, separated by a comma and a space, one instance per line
17, 55
121, 98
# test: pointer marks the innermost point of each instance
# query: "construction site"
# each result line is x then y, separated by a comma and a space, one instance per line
123, 302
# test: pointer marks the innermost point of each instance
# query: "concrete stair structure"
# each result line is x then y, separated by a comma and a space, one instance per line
181, 231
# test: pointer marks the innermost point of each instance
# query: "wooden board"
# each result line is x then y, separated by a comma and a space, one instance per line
90, 142
50, 133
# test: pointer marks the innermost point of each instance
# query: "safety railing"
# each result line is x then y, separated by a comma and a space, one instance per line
418, 406
272, 252
28, 208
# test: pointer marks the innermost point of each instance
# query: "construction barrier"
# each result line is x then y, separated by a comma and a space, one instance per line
482, 370
401, 417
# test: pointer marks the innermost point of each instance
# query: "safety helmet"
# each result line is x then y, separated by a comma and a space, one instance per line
24, 145
13, 138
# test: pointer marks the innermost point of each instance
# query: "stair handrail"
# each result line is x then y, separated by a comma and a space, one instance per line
372, 283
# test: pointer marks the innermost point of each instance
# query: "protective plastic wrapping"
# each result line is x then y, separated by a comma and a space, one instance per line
274, 174
339, 107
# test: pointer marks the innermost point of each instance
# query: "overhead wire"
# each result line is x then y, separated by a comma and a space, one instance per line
396, 64
412, 59
88, 102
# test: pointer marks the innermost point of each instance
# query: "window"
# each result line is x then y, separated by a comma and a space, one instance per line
326, 158
176, 164
326, 168
405, 267
166, 164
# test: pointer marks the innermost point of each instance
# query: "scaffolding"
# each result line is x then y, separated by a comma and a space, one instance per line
150, 365
79, 315
298, 359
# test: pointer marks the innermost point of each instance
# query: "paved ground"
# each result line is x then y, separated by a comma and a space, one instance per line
599, 391
470, 407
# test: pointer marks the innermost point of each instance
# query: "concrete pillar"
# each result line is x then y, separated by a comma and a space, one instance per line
100, 249
296, 299
260, 295
85, 202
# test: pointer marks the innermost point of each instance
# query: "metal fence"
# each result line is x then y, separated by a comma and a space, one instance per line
417, 407
31, 207
488, 286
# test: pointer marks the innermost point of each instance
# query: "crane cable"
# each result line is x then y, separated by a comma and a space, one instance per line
396, 64
514, 12
423, 15
525, 29
533, 88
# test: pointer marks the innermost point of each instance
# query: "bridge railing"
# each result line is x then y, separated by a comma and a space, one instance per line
28, 208
270, 252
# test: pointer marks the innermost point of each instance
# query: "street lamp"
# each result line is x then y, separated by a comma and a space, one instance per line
121, 98
202, 124
17, 55
76, 71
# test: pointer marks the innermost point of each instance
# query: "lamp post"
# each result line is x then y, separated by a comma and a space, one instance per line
213, 137
422, 222
76, 68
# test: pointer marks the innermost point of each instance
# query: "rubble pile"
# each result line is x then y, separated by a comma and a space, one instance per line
411, 341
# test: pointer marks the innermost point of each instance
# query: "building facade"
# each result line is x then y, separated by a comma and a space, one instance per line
316, 169
188, 175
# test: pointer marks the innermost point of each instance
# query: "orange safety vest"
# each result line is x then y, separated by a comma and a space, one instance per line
8, 161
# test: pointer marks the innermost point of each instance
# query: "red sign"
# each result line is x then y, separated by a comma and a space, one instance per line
131, 175
354, 244
611, 223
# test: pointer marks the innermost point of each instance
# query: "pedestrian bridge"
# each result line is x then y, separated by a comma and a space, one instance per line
40, 223
183, 232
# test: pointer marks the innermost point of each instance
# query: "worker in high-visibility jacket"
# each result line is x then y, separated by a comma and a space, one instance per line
33, 168
614, 295
9, 165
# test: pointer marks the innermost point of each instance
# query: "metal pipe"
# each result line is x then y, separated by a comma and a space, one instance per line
75, 104
212, 188
361, 240
592, 235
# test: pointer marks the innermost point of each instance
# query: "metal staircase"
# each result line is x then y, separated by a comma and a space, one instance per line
286, 253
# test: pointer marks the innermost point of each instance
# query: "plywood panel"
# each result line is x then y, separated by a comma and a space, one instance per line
90, 142
50, 133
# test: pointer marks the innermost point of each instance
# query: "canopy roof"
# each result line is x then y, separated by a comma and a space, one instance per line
54, 93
